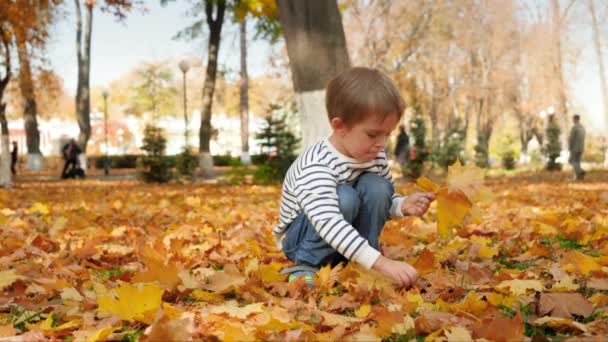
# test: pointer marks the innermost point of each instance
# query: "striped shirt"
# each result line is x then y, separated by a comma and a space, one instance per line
310, 186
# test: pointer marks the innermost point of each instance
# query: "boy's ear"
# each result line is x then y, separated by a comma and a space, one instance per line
338, 125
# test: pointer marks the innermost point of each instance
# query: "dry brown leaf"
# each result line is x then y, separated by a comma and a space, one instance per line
564, 305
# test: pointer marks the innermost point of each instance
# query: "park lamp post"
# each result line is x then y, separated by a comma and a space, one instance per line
184, 66
106, 162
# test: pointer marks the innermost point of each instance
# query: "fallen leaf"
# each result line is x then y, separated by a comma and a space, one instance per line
8, 277
520, 287
564, 305
499, 329
452, 207
363, 311
133, 301
561, 324
584, 264
457, 334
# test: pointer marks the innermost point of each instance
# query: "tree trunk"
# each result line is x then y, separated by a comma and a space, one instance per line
244, 100
5, 157
561, 110
215, 29
600, 60
317, 52
434, 124
26, 86
83, 96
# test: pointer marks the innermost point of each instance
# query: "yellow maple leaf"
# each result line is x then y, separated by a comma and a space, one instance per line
363, 311
38, 208
101, 334
566, 284
208, 297
166, 274
583, 264
467, 179
472, 303
521, 286
271, 272
497, 299
133, 301
47, 325
427, 185
452, 207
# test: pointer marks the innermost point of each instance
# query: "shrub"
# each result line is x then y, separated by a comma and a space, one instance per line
553, 147
153, 166
279, 145
186, 163
419, 152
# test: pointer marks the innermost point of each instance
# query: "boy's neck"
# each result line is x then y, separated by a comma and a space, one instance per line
337, 143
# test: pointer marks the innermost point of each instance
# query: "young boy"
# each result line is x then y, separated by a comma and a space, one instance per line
339, 193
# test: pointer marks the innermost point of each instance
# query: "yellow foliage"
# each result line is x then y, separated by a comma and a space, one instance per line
520, 287
133, 302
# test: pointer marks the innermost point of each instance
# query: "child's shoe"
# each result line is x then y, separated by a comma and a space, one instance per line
309, 277
301, 271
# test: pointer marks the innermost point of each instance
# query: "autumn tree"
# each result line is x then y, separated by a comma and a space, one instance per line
84, 29
597, 44
154, 90
5, 158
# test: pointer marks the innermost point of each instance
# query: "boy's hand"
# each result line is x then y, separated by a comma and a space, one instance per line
400, 272
417, 204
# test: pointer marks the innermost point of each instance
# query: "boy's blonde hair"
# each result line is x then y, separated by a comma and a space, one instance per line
359, 92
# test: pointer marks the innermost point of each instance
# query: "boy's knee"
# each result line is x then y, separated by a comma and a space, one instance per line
375, 188
349, 202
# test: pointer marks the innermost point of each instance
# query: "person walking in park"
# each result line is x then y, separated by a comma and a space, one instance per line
70, 153
14, 158
339, 192
576, 145
402, 147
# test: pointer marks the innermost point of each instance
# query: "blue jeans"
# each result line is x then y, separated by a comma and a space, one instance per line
365, 205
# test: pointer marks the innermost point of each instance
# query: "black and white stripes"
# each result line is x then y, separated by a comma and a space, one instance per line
311, 186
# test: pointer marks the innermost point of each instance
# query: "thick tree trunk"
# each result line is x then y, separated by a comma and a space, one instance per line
5, 157
600, 60
317, 53
26, 86
83, 96
244, 99
562, 109
215, 29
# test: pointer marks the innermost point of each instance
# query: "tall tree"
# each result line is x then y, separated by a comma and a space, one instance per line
118, 8
214, 12
5, 158
26, 86
244, 94
31, 34
317, 51
600, 58
154, 90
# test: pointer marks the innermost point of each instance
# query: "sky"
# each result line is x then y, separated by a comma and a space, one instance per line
118, 47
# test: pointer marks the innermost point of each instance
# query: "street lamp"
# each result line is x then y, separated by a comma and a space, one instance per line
184, 66
106, 162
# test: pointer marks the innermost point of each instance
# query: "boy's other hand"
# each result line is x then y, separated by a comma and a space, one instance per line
402, 273
417, 204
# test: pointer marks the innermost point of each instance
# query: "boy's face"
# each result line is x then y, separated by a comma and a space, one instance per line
365, 139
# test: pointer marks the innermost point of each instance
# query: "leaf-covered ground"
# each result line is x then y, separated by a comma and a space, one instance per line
97, 260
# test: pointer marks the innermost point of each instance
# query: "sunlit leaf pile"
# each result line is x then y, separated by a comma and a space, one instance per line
88, 261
